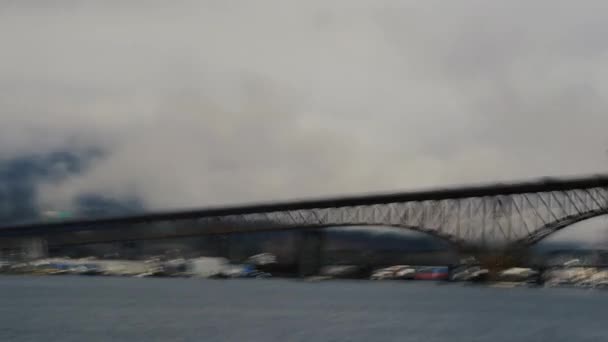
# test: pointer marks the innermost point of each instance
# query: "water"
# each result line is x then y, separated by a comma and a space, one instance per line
127, 309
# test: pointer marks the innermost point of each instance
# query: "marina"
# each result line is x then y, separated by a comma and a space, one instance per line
570, 274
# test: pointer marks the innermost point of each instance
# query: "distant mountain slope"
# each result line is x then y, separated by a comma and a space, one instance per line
20, 178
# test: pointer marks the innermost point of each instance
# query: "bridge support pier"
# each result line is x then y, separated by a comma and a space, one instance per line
310, 252
129, 249
33, 248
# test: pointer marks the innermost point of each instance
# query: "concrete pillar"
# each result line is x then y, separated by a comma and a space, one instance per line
33, 248
310, 252
219, 246
224, 243
130, 249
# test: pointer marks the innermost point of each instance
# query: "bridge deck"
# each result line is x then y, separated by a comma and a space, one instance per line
469, 213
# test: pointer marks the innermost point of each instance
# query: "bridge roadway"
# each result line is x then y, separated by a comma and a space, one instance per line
519, 213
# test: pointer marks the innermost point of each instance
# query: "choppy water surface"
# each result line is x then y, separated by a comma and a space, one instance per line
125, 309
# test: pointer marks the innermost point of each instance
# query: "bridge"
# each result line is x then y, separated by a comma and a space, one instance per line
484, 216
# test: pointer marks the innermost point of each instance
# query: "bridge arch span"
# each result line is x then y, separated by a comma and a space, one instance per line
558, 225
480, 216
448, 239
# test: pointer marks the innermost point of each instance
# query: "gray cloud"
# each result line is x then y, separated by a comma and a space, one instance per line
235, 101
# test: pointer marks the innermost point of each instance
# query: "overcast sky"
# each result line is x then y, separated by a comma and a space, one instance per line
211, 102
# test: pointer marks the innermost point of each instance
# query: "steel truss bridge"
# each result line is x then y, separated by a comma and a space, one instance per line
517, 214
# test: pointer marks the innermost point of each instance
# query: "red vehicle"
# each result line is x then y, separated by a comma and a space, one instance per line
432, 273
